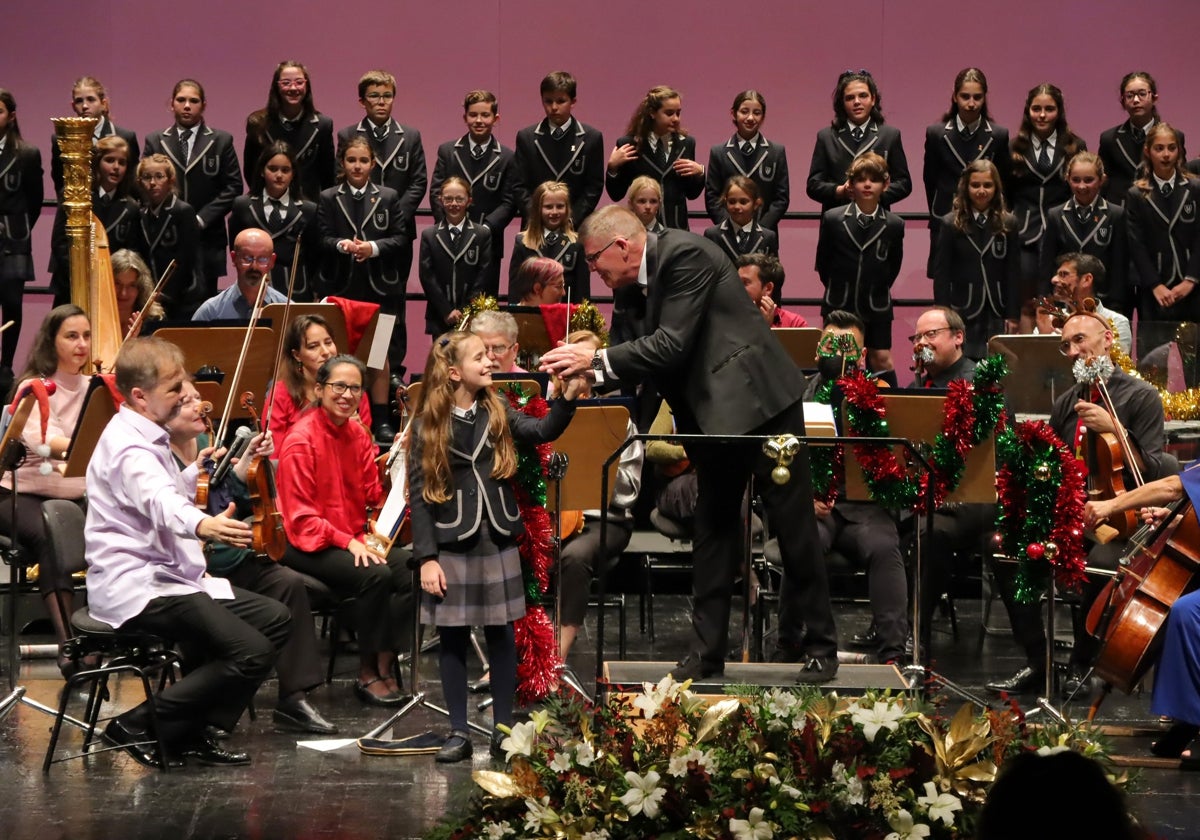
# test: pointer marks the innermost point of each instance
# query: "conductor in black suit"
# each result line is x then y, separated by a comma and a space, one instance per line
705, 347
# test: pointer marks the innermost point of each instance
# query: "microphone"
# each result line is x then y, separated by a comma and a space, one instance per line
241, 439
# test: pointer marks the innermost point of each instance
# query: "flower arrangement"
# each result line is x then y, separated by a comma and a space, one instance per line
770, 763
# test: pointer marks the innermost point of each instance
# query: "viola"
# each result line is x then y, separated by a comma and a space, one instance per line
1108, 475
205, 476
268, 536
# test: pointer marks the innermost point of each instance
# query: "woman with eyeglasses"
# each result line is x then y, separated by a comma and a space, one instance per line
169, 232
291, 117
327, 481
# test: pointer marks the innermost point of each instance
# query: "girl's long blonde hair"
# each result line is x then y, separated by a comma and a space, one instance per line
434, 411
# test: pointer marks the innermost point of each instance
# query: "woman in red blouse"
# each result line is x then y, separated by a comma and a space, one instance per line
327, 481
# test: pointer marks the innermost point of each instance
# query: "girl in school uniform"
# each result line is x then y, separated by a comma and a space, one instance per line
454, 258
550, 233
965, 134
1036, 178
21, 192
168, 230
739, 233
465, 519
857, 128
656, 146
1121, 146
291, 117
644, 199
1090, 224
975, 259
749, 154
276, 204
1164, 238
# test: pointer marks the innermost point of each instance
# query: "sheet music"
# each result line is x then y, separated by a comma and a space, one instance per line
392, 514
379, 346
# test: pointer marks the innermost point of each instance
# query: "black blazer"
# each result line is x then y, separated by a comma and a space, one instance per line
858, 265
311, 141
975, 272
122, 225
493, 185
578, 160
1164, 234
767, 167
702, 342
677, 190
383, 223
452, 275
1122, 156
173, 235
760, 241
947, 154
21, 193
1103, 235
299, 226
1031, 193
474, 493
399, 165
209, 182
575, 270
835, 150
107, 128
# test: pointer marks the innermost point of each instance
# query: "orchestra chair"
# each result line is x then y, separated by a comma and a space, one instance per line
655, 557
120, 652
332, 612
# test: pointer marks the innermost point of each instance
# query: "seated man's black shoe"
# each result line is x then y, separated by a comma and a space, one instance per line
1026, 679
298, 715
694, 668
133, 742
818, 669
384, 433
869, 639
1077, 683
457, 748
204, 750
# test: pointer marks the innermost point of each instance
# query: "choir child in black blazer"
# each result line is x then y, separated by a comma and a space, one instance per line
975, 259
207, 176
399, 157
965, 133
363, 242
276, 204
112, 183
1164, 237
1092, 225
89, 98
655, 145
488, 168
1036, 180
859, 251
551, 233
21, 192
644, 198
1121, 146
857, 128
454, 259
750, 154
561, 148
739, 233
465, 520
168, 231
292, 117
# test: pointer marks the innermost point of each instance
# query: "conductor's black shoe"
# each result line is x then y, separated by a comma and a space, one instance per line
1026, 679
869, 639
298, 715
206, 751
694, 668
818, 669
133, 742
457, 747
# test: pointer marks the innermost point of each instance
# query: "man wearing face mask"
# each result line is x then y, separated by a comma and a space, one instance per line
863, 531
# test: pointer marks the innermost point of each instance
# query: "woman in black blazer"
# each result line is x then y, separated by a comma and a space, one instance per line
857, 128
21, 194
292, 117
275, 204
655, 145
750, 154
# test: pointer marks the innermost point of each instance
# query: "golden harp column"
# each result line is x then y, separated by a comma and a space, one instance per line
75, 142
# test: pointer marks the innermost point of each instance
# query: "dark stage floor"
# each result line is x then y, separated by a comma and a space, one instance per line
295, 792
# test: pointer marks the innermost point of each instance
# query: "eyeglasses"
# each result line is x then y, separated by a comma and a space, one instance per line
497, 349
454, 199
150, 177
590, 259
1131, 95
340, 388
926, 336
379, 97
288, 84
245, 261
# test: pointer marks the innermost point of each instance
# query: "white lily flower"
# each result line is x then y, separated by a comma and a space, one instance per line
905, 828
537, 813
1052, 750
785, 788
598, 834
497, 831
585, 754
520, 740
679, 762
941, 806
880, 716
644, 794
754, 828
561, 762
653, 696
781, 703
540, 718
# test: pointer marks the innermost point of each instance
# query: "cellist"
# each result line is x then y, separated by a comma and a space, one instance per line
1079, 414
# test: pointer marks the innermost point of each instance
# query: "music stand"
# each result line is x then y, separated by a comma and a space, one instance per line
800, 343
98, 409
220, 347
333, 315
531, 329
1037, 371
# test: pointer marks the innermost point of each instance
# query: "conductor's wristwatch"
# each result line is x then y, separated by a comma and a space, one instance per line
598, 362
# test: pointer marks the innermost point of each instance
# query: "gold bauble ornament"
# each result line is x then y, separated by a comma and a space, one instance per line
781, 475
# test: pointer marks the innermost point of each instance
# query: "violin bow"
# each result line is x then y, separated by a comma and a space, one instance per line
235, 383
141, 315
287, 314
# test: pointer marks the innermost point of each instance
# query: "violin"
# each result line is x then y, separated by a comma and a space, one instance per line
268, 536
205, 476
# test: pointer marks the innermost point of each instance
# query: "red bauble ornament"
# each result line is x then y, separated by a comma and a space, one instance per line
1035, 551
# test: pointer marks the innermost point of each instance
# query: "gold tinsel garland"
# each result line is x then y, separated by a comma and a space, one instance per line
585, 317
1183, 405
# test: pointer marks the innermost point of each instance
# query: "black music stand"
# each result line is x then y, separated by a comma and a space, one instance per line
1038, 372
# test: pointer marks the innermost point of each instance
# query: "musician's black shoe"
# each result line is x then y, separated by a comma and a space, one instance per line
457, 747
384, 433
298, 715
494, 747
818, 669
134, 742
209, 753
869, 639
1077, 683
693, 668
1175, 741
1026, 679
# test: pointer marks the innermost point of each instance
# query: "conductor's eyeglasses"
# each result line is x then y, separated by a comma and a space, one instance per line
340, 388
590, 259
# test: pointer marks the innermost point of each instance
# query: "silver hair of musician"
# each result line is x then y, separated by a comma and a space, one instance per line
490, 322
